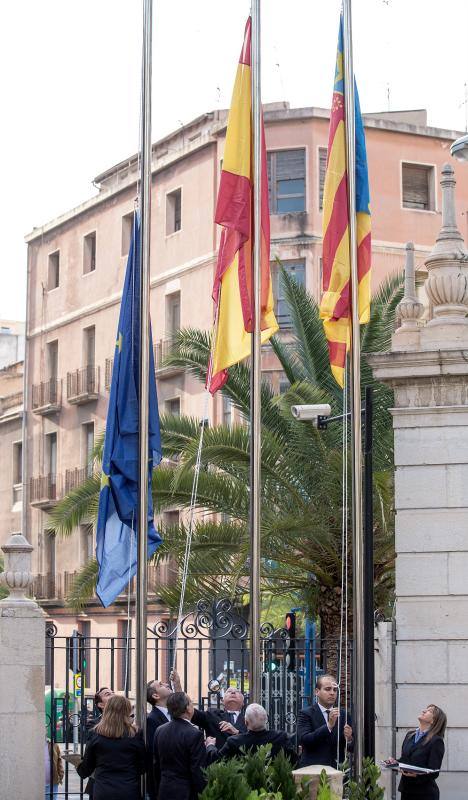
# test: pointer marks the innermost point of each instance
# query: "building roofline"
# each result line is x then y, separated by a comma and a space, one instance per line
273, 113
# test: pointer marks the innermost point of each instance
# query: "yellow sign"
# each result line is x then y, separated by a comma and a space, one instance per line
77, 684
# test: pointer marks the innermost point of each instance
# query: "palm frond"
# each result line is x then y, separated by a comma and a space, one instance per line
84, 586
78, 505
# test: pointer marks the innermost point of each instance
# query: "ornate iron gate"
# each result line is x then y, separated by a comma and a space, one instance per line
212, 650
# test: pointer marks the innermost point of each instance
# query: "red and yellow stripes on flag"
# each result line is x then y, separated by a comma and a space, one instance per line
234, 211
335, 306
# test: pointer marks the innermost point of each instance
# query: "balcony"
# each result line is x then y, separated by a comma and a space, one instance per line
45, 491
58, 586
83, 385
162, 349
75, 477
53, 587
47, 397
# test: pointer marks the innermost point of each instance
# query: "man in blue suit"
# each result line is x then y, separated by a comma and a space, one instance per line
320, 725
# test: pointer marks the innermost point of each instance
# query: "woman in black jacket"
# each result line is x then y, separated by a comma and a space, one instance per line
423, 747
115, 753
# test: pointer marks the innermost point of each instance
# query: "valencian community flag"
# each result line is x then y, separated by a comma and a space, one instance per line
335, 306
116, 536
234, 211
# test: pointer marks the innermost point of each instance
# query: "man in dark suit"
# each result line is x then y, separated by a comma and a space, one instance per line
157, 694
320, 725
222, 723
179, 753
256, 720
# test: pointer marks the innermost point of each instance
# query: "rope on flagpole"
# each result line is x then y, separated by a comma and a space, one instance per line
193, 498
344, 569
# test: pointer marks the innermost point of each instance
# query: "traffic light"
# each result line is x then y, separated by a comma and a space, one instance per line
290, 625
272, 661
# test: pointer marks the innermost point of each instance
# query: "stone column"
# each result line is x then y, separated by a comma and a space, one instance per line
428, 370
22, 664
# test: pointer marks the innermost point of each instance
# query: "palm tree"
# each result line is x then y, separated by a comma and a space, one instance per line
302, 487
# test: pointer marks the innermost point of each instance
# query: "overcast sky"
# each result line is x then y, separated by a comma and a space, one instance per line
70, 75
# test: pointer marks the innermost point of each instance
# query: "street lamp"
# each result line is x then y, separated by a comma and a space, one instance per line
459, 148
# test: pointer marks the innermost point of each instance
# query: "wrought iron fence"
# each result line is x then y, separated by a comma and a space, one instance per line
211, 652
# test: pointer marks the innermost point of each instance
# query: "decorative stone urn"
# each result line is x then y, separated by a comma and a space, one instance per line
447, 282
17, 576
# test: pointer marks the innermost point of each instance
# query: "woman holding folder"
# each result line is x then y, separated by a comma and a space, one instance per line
424, 748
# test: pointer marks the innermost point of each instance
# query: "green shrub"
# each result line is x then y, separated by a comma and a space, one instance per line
280, 777
264, 795
226, 781
256, 765
367, 788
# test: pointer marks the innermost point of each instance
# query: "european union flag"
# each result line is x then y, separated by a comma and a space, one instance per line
116, 537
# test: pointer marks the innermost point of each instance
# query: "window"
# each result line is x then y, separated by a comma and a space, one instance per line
295, 270
89, 346
418, 190
88, 447
127, 226
52, 360
53, 274
227, 411
172, 314
89, 253
124, 661
323, 154
49, 558
17, 471
51, 457
86, 544
173, 211
172, 406
286, 181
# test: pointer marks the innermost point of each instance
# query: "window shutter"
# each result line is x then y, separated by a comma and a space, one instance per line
290, 165
323, 153
415, 186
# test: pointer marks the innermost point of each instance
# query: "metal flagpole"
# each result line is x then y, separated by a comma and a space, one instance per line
145, 211
356, 442
255, 375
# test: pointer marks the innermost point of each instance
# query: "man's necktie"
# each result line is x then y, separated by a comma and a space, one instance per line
232, 718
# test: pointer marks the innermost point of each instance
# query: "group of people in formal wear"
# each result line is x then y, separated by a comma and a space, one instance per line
182, 741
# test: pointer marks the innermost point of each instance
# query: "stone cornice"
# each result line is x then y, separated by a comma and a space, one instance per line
395, 366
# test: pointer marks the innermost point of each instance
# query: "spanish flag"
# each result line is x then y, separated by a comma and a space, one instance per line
335, 307
232, 290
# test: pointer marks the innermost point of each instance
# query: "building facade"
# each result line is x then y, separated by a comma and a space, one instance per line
76, 268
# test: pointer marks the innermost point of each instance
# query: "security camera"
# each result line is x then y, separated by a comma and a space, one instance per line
311, 413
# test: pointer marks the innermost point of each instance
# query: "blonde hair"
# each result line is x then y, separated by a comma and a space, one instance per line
116, 721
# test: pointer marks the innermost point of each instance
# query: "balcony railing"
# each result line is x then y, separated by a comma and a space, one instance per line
75, 477
83, 385
58, 587
53, 587
45, 490
108, 374
162, 349
47, 397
